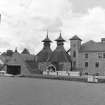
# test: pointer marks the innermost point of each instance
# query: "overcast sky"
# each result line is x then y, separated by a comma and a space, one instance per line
24, 22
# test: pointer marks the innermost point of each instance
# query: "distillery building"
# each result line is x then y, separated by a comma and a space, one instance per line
88, 57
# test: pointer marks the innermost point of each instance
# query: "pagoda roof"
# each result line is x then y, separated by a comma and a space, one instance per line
46, 39
44, 54
60, 38
59, 55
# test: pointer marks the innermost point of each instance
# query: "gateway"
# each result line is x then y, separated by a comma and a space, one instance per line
14, 69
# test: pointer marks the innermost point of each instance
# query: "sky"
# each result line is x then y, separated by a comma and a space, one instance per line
24, 23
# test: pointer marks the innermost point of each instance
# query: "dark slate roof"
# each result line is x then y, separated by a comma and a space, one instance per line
16, 58
44, 54
27, 57
59, 55
92, 46
46, 39
60, 38
75, 38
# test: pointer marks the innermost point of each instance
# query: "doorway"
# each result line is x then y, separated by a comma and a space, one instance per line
13, 69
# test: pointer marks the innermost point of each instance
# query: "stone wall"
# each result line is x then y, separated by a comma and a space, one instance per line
63, 66
66, 66
42, 66
93, 57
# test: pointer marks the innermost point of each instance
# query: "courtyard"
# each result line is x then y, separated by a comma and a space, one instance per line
31, 91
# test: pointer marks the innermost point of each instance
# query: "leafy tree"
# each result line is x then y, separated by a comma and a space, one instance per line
8, 53
25, 51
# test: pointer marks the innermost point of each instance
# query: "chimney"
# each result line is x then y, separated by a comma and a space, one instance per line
103, 40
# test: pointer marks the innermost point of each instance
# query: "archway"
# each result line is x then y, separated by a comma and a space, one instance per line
51, 68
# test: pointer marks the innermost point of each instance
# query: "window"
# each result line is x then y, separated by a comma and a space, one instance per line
97, 64
86, 55
74, 45
97, 74
86, 73
86, 64
103, 55
99, 55
74, 64
74, 54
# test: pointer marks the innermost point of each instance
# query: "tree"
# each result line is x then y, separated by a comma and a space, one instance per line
8, 53
25, 51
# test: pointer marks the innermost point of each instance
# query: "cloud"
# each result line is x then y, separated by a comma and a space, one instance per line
94, 22
82, 6
90, 25
24, 22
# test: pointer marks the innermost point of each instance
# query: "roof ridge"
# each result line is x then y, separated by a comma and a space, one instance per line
92, 46
75, 37
59, 55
